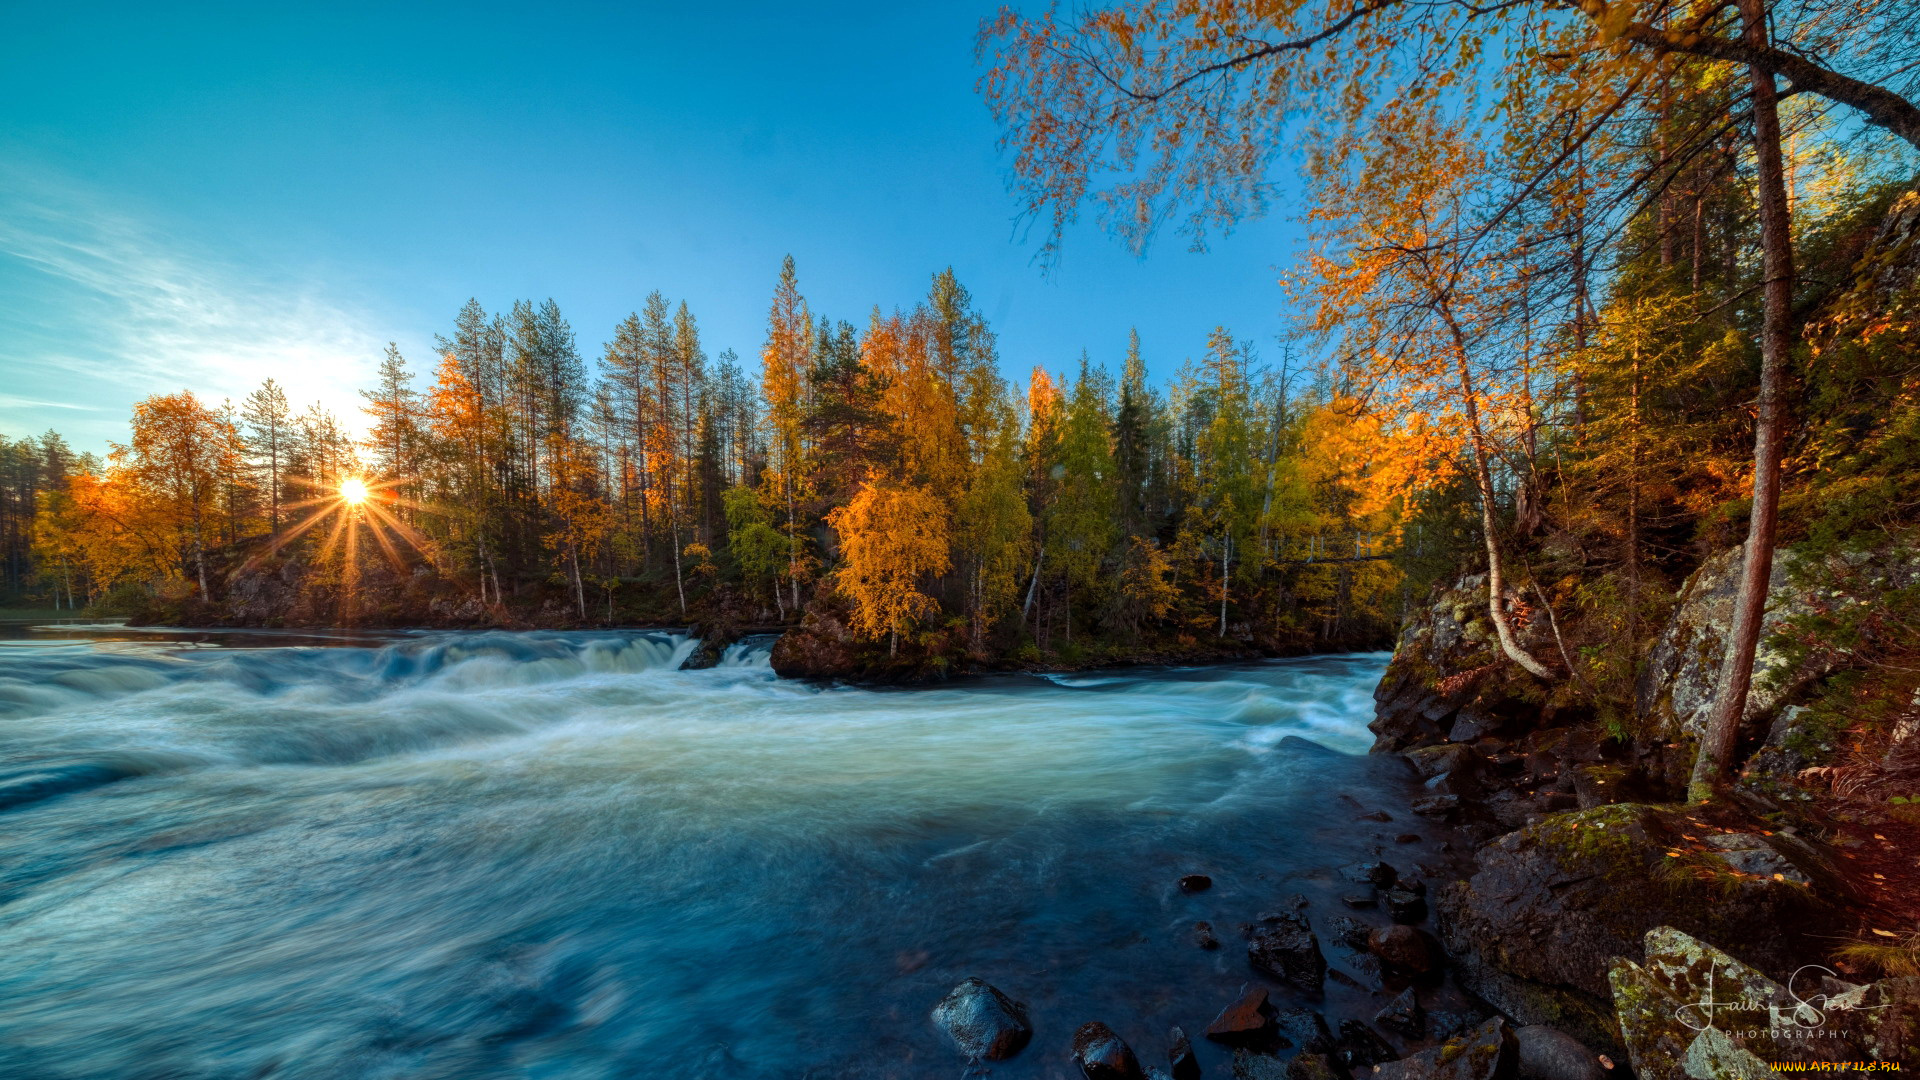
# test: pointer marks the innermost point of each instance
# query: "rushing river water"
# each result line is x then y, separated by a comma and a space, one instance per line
555, 855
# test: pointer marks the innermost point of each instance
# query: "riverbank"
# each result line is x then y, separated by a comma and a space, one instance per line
1596, 893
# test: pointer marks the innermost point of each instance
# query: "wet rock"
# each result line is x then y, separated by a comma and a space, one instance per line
1102, 1055
1432, 761
1402, 948
1403, 1015
1436, 805
1286, 949
1348, 931
1360, 901
1551, 1054
1248, 1065
1359, 1047
1246, 1022
1154, 1073
1378, 874
1180, 1059
1488, 1052
1375, 815
1311, 1067
1305, 1029
1406, 906
983, 1022
1407, 838
1194, 883
1203, 936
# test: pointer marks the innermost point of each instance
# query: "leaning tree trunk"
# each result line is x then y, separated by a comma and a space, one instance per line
1483, 479
1722, 728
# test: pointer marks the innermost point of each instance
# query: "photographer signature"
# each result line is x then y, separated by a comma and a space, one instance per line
1805, 1012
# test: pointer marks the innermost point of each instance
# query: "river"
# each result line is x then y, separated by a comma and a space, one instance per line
557, 855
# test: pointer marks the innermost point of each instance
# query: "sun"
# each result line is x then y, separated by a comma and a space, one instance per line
353, 490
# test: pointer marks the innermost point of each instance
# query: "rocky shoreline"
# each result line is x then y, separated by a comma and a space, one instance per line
1591, 923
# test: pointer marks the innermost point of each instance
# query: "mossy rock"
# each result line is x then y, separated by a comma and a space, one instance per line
1554, 904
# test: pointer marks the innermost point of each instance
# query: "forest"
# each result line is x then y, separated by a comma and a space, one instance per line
888, 470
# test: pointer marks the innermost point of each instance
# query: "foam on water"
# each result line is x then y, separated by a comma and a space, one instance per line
550, 855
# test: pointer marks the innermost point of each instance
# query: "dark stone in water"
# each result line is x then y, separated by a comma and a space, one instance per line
1180, 1056
983, 1022
1406, 906
1102, 1055
1375, 815
1247, 1022
1359, 1047
1551, 1054
1403, 1015
1404, 949
1286, 949
1304, 1028
1349, 931
1360, 901
1407, 838
1203, 935
1377, 874
1194, 883
1436, 805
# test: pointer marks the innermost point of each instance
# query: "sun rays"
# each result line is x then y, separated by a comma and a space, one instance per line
353, 506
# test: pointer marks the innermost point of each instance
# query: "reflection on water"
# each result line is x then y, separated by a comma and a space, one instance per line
555, 855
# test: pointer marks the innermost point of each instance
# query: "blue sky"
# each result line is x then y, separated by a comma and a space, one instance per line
203, 196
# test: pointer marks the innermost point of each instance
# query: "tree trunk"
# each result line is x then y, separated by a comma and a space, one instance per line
1722, 728
673, 529
579, 590
1033, 584
1483, 478
1226, 555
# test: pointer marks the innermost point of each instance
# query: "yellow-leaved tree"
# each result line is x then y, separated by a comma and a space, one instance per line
892, 537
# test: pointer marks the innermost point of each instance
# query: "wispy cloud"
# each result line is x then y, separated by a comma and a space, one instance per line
114, 308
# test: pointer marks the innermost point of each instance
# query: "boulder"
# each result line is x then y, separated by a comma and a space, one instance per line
1488, 1052
1669, 1034
1203, 936
1406, 906
1404, 949
1556, 902
1548, 1053
1403, 1015
1246, 1022
1180, 1059
1284, 948
823, 646
1447, 674
1102, 1055
1194, 883
983, 1022
1349, 932
1436, 805
1378, 874
1359, 1047
1305, 1029
1676, 686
